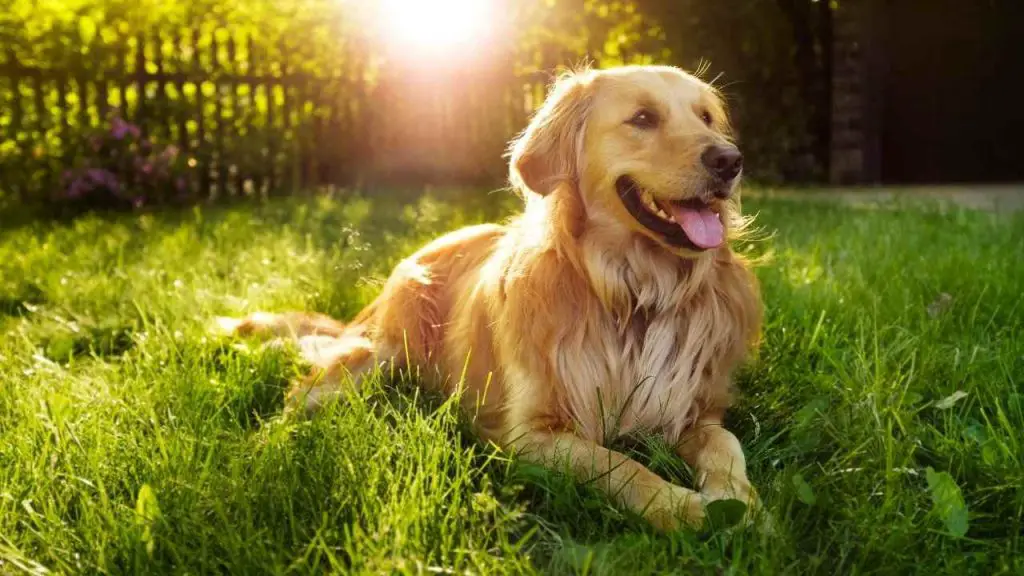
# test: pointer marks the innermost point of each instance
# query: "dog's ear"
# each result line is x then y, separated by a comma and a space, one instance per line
548, 152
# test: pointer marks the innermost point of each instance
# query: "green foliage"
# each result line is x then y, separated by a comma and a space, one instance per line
768, 56
948, 501
132, 442
119, 167
242, 84
553, 34
804, 492
98, 35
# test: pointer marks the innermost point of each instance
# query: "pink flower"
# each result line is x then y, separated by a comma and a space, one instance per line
103, 178
77, 188
118, 128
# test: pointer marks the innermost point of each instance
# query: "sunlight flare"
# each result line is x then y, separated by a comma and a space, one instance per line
435, 27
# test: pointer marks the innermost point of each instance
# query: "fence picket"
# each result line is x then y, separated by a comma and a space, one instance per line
160, 97
288, 165
201, 157
140, 79
270, 92
181, 108
238, 132
14, 75
218, 138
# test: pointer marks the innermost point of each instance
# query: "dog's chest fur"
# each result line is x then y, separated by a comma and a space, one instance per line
652, 350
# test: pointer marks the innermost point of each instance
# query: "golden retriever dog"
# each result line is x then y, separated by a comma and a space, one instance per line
613, 304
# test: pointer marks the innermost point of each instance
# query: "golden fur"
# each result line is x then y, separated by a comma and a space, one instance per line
573, 323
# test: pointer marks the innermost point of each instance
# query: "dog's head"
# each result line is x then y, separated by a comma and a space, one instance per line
647, 149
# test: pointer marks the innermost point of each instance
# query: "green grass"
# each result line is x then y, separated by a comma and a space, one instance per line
131, 442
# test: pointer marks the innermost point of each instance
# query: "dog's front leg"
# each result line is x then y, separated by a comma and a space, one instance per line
718, 461
663, 504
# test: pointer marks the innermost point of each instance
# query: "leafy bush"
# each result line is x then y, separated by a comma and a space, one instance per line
119, 167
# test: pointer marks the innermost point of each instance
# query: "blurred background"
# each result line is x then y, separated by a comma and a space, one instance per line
128, 103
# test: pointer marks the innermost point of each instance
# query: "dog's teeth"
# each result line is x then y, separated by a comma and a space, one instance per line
652, 205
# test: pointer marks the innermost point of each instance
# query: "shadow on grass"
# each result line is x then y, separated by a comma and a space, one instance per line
263, 376
18, 300
104, 341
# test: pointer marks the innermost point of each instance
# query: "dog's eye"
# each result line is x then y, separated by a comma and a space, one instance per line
644, 119
705, 116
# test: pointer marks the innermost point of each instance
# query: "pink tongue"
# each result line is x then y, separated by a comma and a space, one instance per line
702, 227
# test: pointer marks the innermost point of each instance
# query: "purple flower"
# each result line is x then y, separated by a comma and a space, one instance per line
147, 168
103, 178
76, 188
118, 128
138, 201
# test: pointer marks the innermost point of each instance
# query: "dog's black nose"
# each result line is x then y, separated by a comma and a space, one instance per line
723, 161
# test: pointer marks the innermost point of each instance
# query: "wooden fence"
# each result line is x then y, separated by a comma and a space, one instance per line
253, 124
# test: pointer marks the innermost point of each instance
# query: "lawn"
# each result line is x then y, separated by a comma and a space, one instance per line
882, 419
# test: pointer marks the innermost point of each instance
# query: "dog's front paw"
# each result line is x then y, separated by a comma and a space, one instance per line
256, 324
726, 513
675, 508
735, 502
225, 326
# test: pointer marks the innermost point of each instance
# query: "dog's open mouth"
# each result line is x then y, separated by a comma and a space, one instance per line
686, 223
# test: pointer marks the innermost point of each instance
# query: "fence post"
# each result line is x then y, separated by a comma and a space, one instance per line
82, 83
122, 67
160, 98
269, 83
288, 125
255, 156
101, 94
201, 154
16, 116
219, 107
140, 81
240, 152
184, 142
